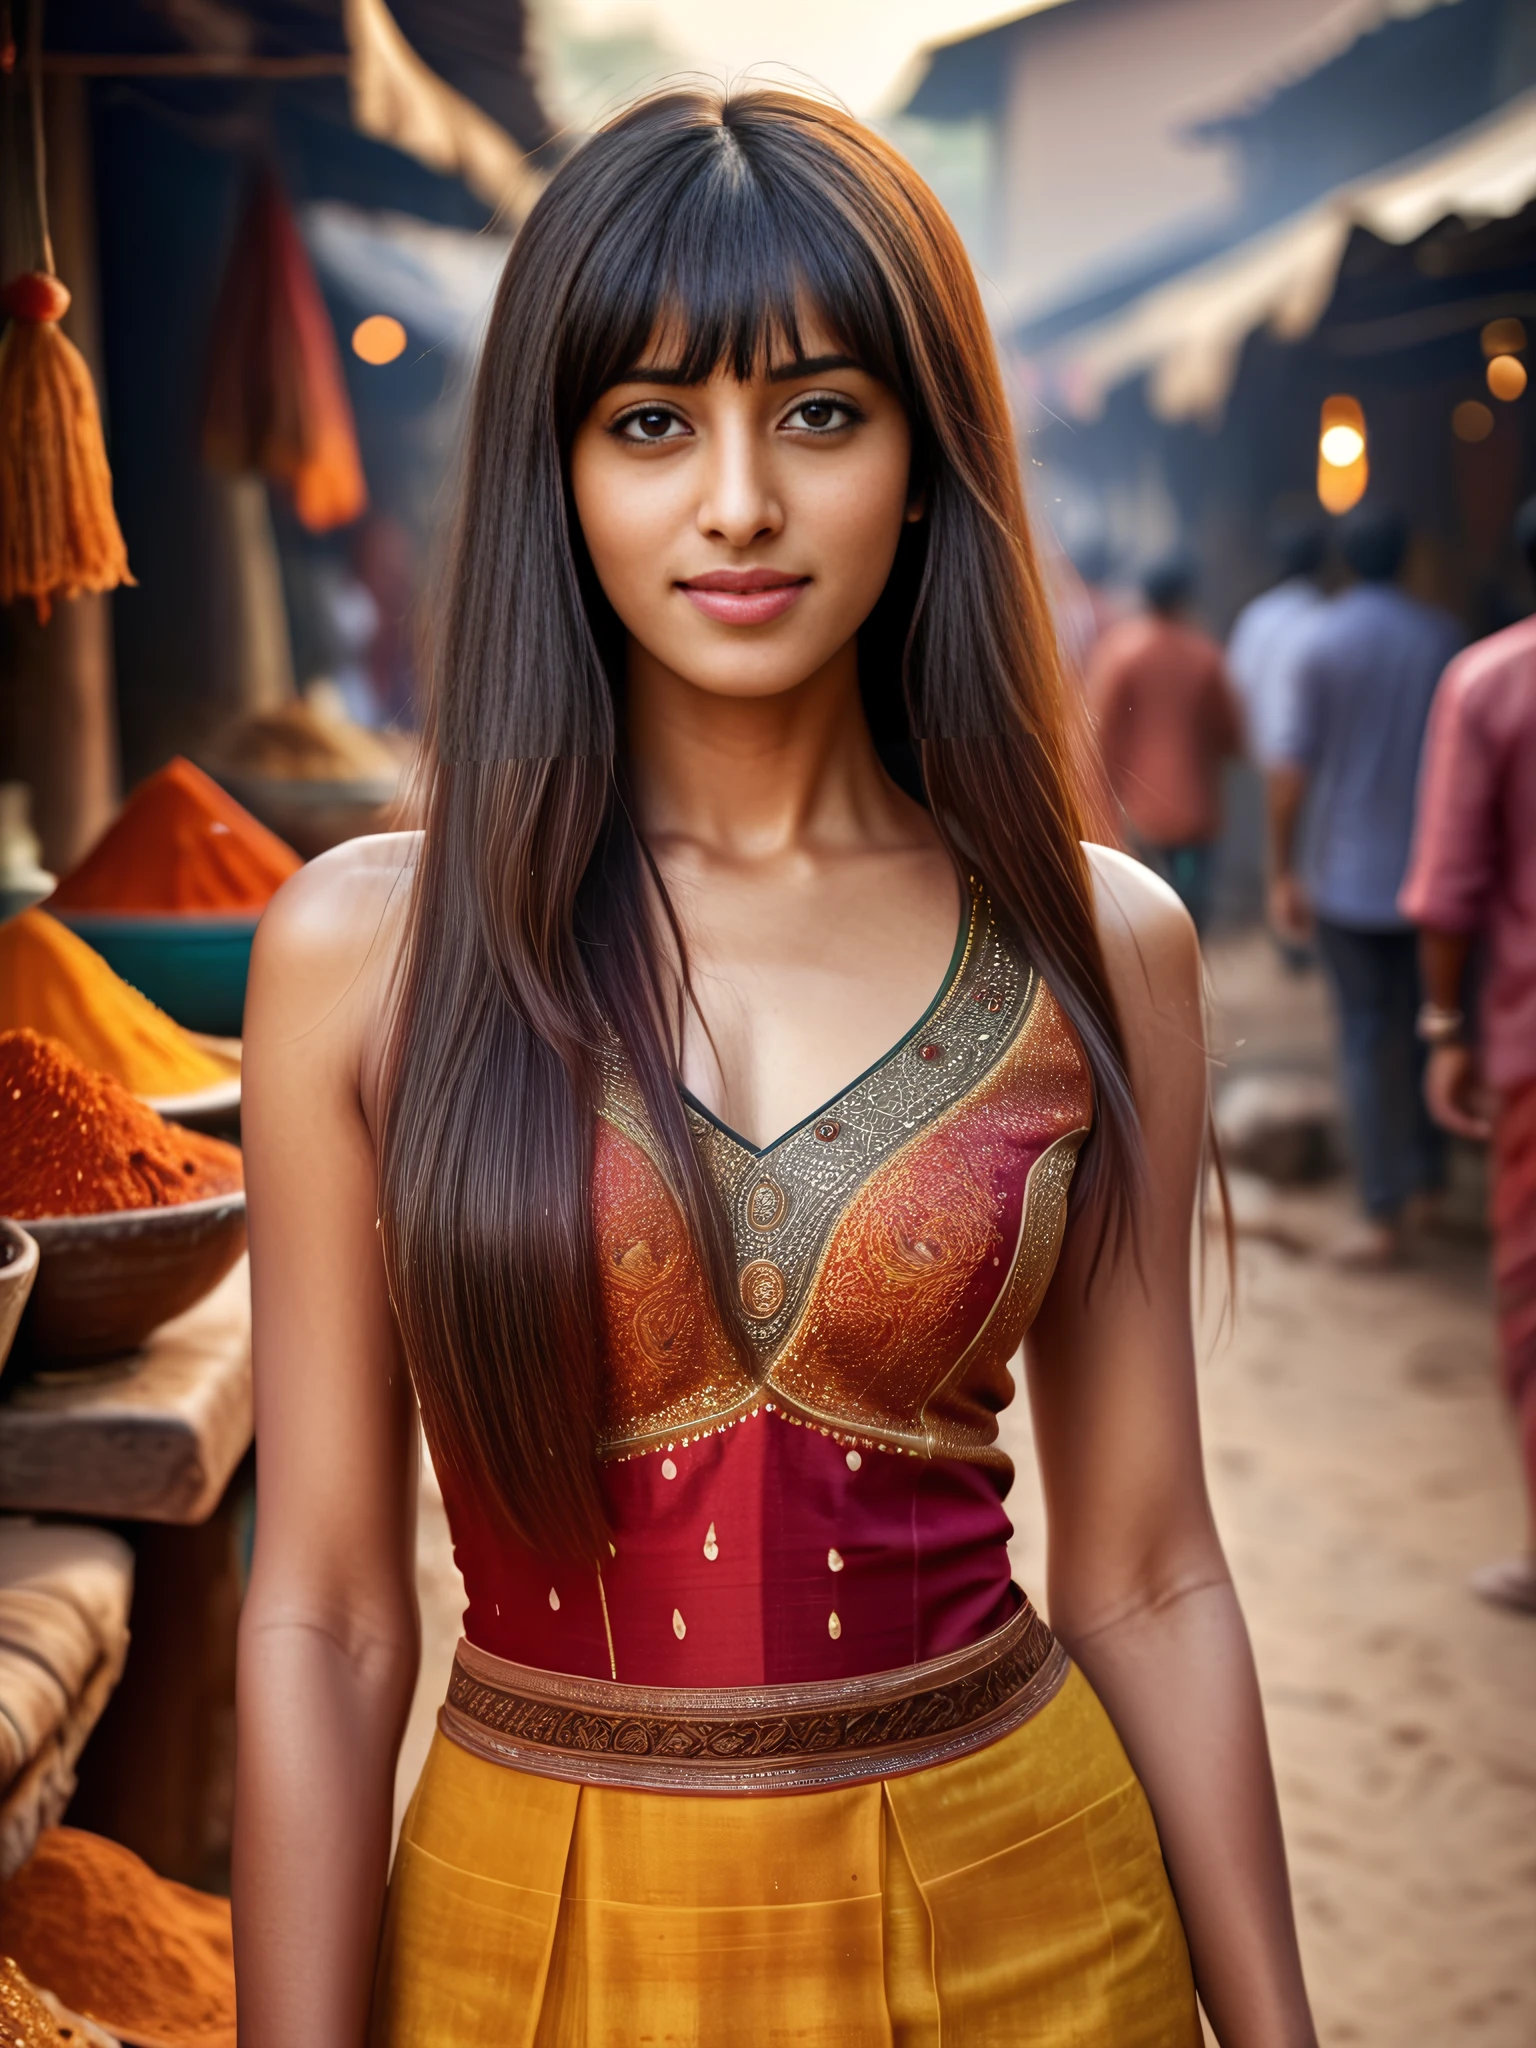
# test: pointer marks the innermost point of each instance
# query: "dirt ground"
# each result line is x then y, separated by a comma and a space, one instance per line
1361, 1466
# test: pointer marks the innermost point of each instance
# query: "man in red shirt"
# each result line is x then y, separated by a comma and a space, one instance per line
1167, 718
1473, 875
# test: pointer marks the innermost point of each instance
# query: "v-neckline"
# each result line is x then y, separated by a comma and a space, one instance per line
951, 975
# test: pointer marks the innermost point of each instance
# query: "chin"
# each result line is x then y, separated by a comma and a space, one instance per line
747, 686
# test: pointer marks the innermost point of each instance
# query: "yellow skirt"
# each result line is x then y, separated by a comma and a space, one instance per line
1014, 1896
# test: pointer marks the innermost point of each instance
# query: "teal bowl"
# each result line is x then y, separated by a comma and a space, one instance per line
193, 965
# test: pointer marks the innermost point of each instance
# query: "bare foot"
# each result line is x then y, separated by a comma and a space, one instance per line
1372, 1248
1509, 1583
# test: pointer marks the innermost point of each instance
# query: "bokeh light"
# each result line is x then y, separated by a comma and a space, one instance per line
1506, 377
1342, 468
378, 339
1471, 421
1341, 446
1503, 337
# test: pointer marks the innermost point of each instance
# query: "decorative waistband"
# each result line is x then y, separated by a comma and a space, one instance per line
759, 1738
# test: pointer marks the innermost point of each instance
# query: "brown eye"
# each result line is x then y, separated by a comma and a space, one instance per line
649, 423
821, 415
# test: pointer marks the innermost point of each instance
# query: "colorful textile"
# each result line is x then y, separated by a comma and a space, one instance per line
760, 1739
819, 1493
1015, 1895
1514, 1261
1474, 854
1356, 702
1167, 718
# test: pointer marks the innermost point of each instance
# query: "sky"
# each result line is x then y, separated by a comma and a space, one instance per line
859, 50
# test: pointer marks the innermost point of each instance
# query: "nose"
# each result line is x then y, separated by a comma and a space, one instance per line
740, 504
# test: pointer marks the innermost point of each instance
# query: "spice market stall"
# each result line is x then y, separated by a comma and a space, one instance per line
128, 1399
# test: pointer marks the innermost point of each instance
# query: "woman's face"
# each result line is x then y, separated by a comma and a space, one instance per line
743, 531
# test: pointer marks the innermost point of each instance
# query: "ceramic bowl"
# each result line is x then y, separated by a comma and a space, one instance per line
105, 1282
18, 1270
194, 964
215, 1109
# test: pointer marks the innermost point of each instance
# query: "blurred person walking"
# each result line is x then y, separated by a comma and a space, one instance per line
1346, 743
1263, 641
1473, 878
1167, 719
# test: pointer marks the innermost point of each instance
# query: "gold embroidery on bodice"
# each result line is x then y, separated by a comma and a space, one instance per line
891, 1250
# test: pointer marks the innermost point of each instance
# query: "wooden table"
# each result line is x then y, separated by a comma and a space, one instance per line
154, 1437
156, 1445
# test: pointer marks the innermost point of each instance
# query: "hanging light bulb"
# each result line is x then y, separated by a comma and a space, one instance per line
1343, 469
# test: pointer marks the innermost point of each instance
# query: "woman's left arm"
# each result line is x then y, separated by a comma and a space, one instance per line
1138, 1587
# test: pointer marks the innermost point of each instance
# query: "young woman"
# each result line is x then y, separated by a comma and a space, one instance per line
596, 1122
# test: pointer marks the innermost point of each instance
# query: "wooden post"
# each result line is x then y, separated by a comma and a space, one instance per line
58, 718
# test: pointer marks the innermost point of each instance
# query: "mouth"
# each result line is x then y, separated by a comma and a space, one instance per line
744, 597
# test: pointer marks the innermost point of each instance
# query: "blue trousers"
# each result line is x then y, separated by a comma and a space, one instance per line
1189, 871
1398, 1151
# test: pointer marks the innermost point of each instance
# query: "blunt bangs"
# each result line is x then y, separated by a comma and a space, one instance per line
713, 263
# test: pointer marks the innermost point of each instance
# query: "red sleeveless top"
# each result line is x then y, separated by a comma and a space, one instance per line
830, 1503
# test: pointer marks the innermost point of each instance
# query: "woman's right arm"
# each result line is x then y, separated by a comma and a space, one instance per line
329, 1634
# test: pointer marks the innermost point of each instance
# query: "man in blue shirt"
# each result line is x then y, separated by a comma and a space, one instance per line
1267, 629
1346, 742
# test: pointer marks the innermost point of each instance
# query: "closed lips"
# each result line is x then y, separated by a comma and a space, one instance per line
744, 597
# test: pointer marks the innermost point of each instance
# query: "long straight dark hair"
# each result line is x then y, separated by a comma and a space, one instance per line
529, 940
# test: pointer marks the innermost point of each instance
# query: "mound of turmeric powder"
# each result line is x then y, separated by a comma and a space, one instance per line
74, 1143
145, 1958
54, 983
180, 843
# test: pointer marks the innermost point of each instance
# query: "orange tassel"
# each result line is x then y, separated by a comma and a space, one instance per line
58, 531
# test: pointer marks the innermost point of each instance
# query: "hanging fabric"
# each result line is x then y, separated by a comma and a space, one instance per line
277, 401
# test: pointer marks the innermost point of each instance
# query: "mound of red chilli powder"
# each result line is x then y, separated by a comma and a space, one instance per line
179, 844
75, 1143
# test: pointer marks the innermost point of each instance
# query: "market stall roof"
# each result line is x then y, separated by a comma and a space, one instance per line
469, 113
1186, 335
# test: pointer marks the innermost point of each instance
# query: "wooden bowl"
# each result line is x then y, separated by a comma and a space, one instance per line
18, 1270
104, 1282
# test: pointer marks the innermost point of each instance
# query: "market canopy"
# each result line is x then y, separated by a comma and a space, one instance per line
1187, 335
469, 113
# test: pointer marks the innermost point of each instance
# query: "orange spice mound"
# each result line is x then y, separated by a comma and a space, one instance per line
52, 982
74, 1143
179, 843
145, 1958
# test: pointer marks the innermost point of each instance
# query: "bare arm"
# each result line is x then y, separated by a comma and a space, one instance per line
1138, 1586
1289, 911
329, 1632
1452, 1086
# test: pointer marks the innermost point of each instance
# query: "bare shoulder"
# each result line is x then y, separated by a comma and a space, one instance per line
1150, 950
328, 941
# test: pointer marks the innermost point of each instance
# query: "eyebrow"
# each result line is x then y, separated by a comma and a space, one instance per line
779, 373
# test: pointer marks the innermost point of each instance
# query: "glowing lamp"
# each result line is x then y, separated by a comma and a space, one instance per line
1506, 377
378, 339
1342, 468
1471, 421
1341, 446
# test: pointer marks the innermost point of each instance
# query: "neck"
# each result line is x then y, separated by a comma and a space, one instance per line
752, 778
